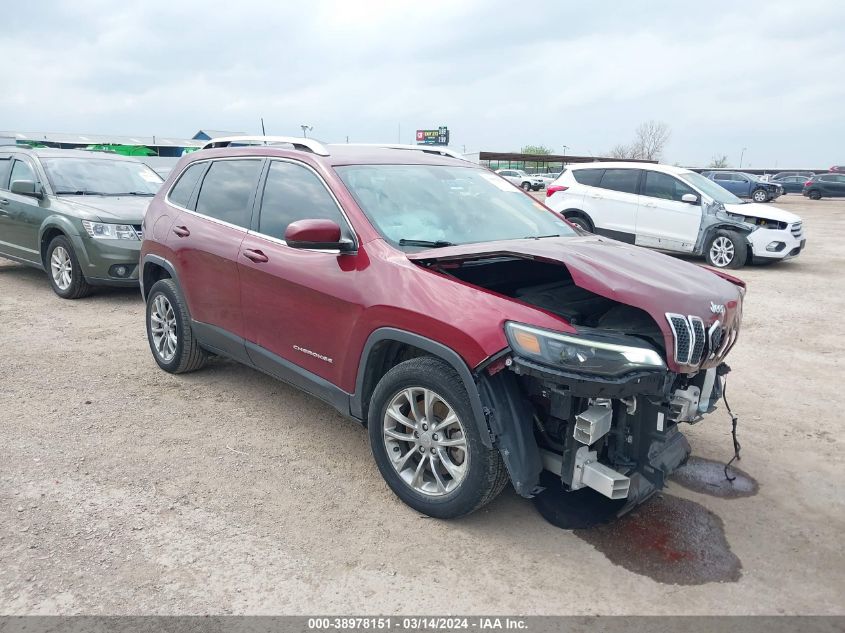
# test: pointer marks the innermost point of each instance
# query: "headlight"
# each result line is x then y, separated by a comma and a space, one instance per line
593, 354
105, 231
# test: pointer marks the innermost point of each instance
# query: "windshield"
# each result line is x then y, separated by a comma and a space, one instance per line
426, 206
710, 188
100, 176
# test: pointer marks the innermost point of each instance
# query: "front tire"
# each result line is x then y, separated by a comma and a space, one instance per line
169, 333
526, 186
726, 249
426, 444
760, 195
64, 271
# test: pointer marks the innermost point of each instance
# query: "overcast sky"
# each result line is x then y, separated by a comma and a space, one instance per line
769, 76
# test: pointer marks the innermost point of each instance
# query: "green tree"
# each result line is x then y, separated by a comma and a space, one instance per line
541, 150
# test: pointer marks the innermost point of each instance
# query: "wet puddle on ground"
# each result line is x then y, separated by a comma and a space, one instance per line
670, 540
708, 477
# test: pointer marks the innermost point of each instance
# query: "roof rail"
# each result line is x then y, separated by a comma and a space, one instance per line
307, 144
429, 149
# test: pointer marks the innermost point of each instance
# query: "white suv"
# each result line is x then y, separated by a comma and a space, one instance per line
676, 210
521, 179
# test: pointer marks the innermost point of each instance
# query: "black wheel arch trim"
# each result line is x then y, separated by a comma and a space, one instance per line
435, 349
164, 263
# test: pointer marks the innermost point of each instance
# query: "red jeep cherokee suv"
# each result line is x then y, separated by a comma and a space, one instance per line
478, 335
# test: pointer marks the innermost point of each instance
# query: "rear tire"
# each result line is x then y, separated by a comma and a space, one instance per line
726, 249
169, 333
64, 271
581, 222
814, 195
405, 442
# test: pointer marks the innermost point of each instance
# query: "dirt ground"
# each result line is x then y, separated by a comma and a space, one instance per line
125, 490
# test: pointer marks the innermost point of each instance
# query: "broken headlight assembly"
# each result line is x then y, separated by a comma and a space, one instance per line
604, 354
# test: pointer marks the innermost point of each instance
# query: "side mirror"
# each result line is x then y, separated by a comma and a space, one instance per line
27, 188
689, 198
317, 234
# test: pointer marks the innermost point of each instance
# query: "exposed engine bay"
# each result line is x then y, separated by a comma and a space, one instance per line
616, 434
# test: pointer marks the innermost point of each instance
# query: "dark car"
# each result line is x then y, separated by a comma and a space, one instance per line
830, 185
785, 174
838, 168
75, 214
745, 185
479, 336
791, 184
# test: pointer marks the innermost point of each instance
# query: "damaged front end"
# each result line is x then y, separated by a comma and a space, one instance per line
616, 434
599, 406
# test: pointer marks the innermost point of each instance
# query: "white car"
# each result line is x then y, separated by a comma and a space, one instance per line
521, 179
675, 210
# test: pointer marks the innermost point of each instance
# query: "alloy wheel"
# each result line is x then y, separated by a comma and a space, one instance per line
425, 441
163, 328
722, 251
61, 267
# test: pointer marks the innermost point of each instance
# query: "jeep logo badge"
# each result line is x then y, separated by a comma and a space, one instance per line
717, 308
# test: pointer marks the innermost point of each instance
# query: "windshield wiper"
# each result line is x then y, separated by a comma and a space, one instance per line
427, 243
81, 193
539, 237
133, 193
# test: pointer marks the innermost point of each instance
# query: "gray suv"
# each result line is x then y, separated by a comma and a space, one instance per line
75, 214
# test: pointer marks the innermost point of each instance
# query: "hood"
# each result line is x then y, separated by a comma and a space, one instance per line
632, 275
128, 209
763, 210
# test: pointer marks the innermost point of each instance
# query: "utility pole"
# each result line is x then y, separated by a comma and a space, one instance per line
741, 156
565, 147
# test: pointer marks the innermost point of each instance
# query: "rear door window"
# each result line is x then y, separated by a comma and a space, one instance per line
590, 177
181, 192
228, 189
623, 180
5, 165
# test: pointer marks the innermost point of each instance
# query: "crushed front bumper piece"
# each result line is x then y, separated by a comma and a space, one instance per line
617, 436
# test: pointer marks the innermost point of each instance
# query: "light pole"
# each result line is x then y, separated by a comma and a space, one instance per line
741, 156
306, 129
565, 147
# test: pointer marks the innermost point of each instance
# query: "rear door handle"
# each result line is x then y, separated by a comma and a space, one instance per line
4, 201
256, 256
181, 231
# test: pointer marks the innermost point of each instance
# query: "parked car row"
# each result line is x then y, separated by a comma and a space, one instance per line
745, 185
675, 210
522, 180
478, 336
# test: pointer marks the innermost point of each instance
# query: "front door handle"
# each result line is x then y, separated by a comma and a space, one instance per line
256, 256
181, 231
4, 201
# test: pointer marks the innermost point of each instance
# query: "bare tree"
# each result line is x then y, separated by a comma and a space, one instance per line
651, 138
719, 162
620, 150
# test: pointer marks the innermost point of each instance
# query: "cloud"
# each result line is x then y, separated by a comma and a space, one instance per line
762, 75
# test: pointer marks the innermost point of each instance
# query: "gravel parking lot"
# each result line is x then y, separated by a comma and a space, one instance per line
126, 490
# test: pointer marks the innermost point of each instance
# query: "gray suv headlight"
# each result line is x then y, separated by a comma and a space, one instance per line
108, 231
592, 354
